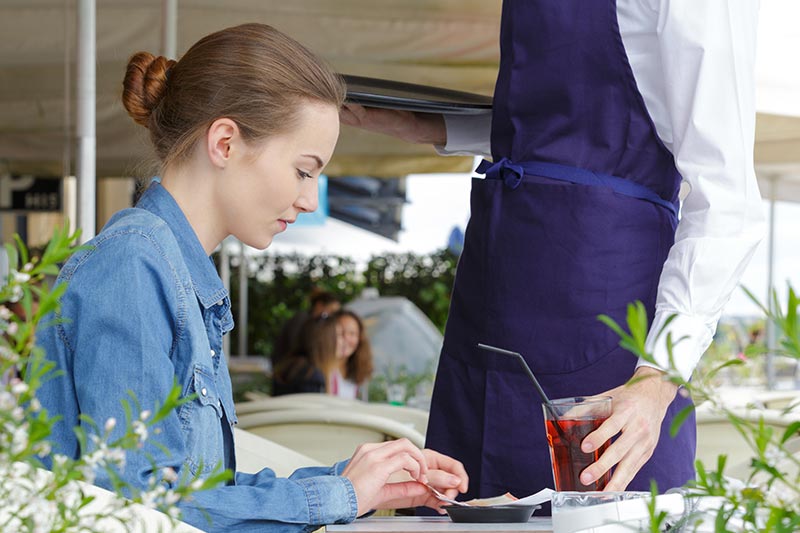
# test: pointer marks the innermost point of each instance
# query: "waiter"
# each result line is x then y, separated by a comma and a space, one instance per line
601, 109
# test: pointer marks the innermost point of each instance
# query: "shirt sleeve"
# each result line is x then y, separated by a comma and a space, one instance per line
118, 351
707, 51
467, 135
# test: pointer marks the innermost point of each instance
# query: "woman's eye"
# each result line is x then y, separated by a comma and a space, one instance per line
304, 175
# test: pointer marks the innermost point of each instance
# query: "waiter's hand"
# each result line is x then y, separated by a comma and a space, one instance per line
637, 412
420, 128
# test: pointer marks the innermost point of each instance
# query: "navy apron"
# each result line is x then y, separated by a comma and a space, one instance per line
574, 219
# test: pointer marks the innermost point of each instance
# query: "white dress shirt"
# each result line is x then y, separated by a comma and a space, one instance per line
694, 64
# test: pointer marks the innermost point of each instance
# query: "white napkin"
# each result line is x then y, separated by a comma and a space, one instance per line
542, 496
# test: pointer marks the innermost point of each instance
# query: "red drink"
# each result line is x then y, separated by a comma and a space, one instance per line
567, 458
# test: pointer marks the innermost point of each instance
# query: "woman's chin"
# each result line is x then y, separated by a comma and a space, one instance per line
259, 243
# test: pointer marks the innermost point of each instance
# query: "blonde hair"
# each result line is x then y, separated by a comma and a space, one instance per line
252, 74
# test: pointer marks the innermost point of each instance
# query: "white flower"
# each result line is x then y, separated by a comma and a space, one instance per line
20, 277
5, 312
28, 267
19, 439
18, 387
12, 328
782, 496
7, 401
774, 455
16, 294
169, 474
42, 449
110, 424
144, 415
140, 429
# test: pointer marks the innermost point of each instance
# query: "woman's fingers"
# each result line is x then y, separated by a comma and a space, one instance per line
451, 475
373, 464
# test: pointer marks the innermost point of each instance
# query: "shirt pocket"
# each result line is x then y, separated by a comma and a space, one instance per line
201, 421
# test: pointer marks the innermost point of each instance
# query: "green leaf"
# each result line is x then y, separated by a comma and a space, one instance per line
792, 430
679, 419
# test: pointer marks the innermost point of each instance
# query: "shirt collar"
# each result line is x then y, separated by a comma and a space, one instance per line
207, 285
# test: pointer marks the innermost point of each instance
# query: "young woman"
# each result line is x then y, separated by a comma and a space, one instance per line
354, 356
242, 125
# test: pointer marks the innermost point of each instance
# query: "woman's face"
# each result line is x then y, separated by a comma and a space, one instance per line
264, 190
347, 336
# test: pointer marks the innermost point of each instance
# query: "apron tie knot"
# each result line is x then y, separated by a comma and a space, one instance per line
505, 169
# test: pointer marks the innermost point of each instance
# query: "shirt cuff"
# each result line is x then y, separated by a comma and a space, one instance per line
467, 135
691, 337
331, 499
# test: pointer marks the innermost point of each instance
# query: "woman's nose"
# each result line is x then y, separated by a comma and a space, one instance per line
308, 199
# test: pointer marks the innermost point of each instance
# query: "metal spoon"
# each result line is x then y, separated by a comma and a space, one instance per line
442, 497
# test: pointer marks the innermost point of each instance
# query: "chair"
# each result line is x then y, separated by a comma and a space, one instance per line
417, 419
254, 453
325, 434
716, 435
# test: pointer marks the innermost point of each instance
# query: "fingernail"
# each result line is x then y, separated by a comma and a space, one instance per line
587, 447
587, 478
423, 478
455, 481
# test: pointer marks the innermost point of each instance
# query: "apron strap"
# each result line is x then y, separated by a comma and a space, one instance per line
512, 173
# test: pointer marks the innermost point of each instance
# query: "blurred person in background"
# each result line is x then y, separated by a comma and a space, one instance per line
321, 303
310, 365
354, 357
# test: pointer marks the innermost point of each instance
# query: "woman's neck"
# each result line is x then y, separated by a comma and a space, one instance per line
191, 187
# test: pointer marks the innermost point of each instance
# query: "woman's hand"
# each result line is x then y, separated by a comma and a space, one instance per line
446, 475
638, 410
372, 465
419, 128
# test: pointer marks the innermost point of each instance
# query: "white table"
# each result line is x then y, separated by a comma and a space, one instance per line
435, 524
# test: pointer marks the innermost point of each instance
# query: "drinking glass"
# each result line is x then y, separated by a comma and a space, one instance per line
568, 421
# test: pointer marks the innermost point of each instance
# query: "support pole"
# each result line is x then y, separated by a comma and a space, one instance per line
87, 144
242, 327
770, 332
169, 28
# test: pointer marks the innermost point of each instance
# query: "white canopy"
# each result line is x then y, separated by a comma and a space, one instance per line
447, 43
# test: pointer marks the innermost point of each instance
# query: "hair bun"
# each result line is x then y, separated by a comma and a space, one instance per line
144, 85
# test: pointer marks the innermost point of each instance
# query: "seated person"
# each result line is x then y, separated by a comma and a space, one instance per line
354, 357
308, 367
323, 303
243, 126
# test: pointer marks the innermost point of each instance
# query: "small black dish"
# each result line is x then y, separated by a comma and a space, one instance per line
495, 514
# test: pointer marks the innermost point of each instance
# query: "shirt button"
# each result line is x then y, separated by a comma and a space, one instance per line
220, 302
213, 353
204, 391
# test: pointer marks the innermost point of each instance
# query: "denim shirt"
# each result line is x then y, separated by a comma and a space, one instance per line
144, 308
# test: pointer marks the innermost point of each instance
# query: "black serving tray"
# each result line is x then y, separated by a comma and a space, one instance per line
389, 94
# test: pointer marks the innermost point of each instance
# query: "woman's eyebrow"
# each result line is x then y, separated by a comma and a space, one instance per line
315, 158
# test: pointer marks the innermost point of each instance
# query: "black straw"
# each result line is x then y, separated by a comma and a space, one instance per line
521, 360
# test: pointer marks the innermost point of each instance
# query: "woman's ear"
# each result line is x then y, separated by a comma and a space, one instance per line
220, 138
